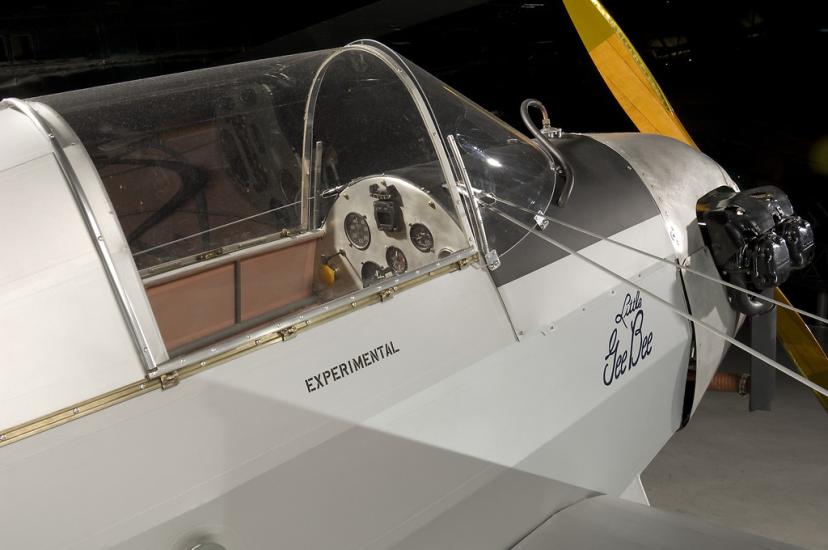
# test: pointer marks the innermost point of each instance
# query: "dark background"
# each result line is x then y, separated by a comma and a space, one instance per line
745, 77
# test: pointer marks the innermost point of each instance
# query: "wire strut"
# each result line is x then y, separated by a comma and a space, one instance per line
773, 363
657, 258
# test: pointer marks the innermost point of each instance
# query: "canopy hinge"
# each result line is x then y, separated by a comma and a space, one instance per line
169, 380
289, 332
463, 263
387, 294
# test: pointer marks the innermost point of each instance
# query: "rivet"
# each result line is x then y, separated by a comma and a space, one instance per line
75, 410
204, 363
143, 386
2, 437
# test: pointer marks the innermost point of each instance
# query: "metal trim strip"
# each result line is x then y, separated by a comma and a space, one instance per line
125, 305
277, 333
244, 251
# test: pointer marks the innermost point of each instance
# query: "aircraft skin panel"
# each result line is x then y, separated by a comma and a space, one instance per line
539, 299
359, 503
256, 410
544, 406
676, 175
676, 185
626, 427
27, 144
600, 172
48, 290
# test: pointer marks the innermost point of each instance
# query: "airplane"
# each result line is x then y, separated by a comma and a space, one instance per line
324, 300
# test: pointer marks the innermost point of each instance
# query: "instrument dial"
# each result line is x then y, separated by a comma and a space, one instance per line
357, 230
421, 237
396, 260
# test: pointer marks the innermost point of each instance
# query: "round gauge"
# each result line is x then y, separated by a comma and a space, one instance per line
371, 272
357, 231
396, 260
421, 237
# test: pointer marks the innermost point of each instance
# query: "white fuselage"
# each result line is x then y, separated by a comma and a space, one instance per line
247, 451
355, 433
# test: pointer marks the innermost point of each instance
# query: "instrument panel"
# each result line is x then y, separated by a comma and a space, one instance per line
383, 226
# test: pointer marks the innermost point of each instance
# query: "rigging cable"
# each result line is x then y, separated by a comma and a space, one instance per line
655, 257
773, 363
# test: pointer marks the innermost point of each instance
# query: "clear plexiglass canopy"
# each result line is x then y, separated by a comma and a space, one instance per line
197, 161
252, 192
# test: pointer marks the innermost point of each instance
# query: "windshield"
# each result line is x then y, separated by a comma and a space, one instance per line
499, 159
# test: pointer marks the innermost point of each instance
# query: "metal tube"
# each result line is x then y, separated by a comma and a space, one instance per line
763, 378
318, 151
489, 256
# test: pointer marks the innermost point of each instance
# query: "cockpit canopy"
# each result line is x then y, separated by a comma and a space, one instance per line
252, 191
197, 161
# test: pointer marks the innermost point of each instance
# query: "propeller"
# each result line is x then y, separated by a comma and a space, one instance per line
638, 93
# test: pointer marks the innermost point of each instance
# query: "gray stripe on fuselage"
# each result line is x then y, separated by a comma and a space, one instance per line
608, 198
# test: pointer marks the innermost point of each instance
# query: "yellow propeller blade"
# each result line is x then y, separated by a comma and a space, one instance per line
638, 93
802, 347
624, 71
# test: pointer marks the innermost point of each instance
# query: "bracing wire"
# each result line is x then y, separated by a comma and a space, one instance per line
216, 228
698, 322
655, 257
